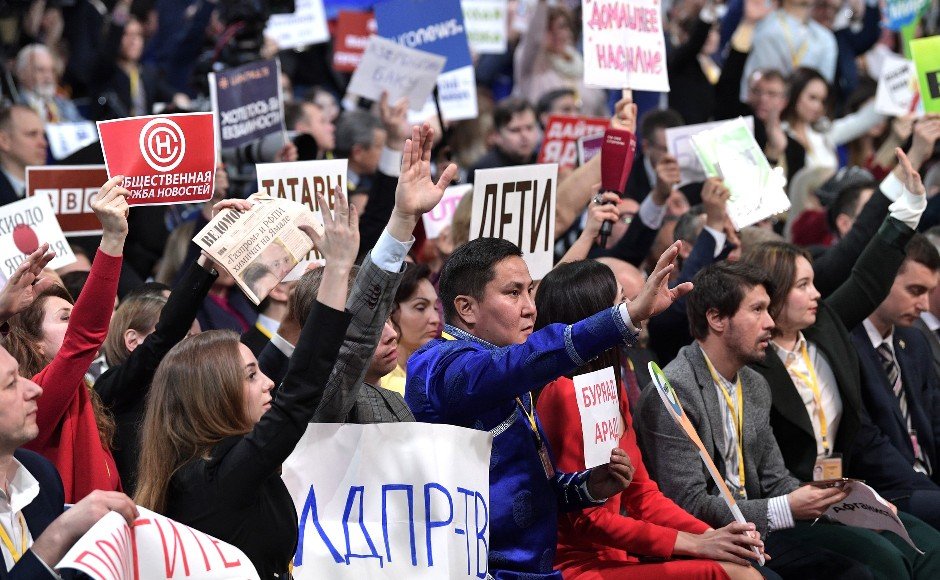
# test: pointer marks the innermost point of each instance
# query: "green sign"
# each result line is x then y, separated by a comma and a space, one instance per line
925, 52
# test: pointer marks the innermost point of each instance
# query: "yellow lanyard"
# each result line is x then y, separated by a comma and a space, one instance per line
530, 415
8, 542
737, 414
796, 55
812, 382
263, 330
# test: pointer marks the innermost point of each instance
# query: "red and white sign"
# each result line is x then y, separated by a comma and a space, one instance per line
623, 45
562, 132
443, 213
24, 226
601, 423
164, 158
71, 189
353, 29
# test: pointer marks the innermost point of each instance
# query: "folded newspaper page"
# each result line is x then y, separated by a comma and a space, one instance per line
261, 246
864, 508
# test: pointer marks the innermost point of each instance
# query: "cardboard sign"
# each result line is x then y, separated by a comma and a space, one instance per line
67, 138
601, 424
926, 55
486, 23
562, 132
898, 93
518, 204
306, 26
436, 26
377, 501
679, 145
896, 14
624, 46
399, 70
247, 100
164, 158
443, 213
589, 147
300, 181
864, 508
154, 547
352, 36
24, 226
70, 189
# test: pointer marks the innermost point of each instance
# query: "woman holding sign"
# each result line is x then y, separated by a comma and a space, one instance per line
600, 542
214, 438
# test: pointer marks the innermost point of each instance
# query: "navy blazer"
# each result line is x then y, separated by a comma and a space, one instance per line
7, 193
920, 384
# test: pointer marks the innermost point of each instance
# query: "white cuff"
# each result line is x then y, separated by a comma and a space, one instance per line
651, 214
389, 253
625, 315
908, 208
720, 239
390, 162
779, 515
49, 568
891, 187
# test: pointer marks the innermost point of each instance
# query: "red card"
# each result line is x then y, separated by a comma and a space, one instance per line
560, 144
353, 29
164, 158
70, 188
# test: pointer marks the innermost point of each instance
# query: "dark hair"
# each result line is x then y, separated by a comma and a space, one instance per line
800, 78
920, 250
771, 74
414, 273
293, 111
721, 286
547, 101
470, 268
75, 281
509, 108
355, 128
659, 119
304, 295
149, 289
847, 203
6, 115
778, 261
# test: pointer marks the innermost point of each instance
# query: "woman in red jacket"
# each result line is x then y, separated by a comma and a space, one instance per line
56, 342
600, 543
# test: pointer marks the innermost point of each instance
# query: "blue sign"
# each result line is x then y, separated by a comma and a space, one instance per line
332, 7
901, 13
435, 26
247, 102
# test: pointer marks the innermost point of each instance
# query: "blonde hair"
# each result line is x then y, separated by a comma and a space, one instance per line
138, 312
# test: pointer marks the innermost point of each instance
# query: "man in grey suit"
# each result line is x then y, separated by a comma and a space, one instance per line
729, 405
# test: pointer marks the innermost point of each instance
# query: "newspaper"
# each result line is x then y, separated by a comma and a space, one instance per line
261, 246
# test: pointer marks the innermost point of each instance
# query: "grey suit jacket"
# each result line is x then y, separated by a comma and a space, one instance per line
934, 343
346, 398
674, 462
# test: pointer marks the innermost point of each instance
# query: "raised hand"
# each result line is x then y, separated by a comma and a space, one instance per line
909, 176
111, 209
339, 245
656, 295
624, 115
26, 283
715, 199
603, 208
417, 193
395, 119
668, 176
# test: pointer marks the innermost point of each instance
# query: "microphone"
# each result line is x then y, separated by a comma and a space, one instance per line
617, 152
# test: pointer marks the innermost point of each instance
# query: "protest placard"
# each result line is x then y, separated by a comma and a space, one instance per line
560, 144
679, 145
24, 226
926, 55
261, 246
390, 501
305, 26
518, 204
154, 547
70, 189
623, 45
589, 147
443, 213
164, 158
398, 70
730, 152
353, 29
599, 405
436, 26
68, 138
900, 13
864, 508
897, 94
487, 26
247, 100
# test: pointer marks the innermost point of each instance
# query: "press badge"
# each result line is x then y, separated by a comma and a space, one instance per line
828, 467
546, 461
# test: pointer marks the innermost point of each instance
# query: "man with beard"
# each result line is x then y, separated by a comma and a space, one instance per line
36, 73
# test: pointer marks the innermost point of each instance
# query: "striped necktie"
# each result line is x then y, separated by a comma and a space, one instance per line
894, 378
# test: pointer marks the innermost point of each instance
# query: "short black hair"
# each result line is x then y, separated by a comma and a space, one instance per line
847, 203
74, 282
920, 250
721, 286
470, 268
412, 276
659, 119
509, 108
547, 101
293, 111
148, 289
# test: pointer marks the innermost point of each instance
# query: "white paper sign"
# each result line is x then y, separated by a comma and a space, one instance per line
67, 138
864, 508
623, 45
306, 26
156, 548
679, 145
402, 71
443, 213
898, 91
24, 226
457, 93
486, 26
601, 424
390, 501
518, 204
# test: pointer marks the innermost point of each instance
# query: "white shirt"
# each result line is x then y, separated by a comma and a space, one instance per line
932, 322
268, 323
23, 490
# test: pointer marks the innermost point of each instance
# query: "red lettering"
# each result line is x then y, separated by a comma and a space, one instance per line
225, 562
205, 557
586, 396
81, 560
178, 548
104, 546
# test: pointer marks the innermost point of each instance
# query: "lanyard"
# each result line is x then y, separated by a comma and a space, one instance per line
737, 414
530, 415
8, 542
796, 55
812, 381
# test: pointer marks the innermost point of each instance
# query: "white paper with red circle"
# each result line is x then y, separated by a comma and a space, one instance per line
26, 224
164, 158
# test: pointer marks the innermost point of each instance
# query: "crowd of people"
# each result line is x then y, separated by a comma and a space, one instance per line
807, 343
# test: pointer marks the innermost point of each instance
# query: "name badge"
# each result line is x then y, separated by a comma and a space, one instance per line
828, 467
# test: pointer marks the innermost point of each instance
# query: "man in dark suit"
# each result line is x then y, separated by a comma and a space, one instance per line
899, 385
22, 143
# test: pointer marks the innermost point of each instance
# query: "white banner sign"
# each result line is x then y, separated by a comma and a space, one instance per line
518, 204
679, 145
390, 501
623, 45
457, 92
486, 25
601, 424
864, 508
898, 91
155, 548
402, 71
443, 213
307, 25
24, 226
67, 138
